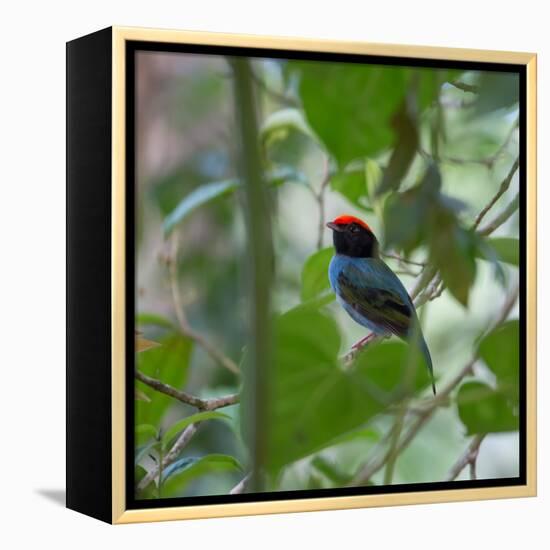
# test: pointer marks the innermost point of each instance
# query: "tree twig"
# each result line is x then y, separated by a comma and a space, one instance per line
320, 197
201, 404
471, 88
501, 218
504, 186
469, 457
403, 260
241, 486
185, 328
170, 457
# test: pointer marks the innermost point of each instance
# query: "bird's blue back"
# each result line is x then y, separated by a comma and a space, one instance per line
368, 273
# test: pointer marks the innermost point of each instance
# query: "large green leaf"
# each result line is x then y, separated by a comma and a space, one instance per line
497, 90
506, 248
500, 351
314, 401
349, 106
407, 215
169, 363
315, 274
404, 123
483, 409
453, 250
352, 185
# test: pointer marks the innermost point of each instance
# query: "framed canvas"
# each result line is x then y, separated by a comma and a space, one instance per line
300, 275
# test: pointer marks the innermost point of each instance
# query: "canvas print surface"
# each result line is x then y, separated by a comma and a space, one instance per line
390, 227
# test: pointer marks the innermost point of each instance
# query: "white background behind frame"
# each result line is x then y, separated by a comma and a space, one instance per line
32, 218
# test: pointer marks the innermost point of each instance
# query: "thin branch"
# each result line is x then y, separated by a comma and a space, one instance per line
391, 455
241, 486
468, 458
403, 260
320, 197
501, 218
171, 456
201, 404
185, 328
504, 186
471, 88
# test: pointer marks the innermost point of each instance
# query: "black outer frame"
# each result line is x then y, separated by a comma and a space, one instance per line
88, 398
89, 164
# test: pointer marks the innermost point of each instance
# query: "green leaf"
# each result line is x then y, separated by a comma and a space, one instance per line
349, 106
314, 401
373, 176
146, 430
331, 471
352, 185
283, 174
405, 125
146, 318
214, 190
186, 469
453, 251
497, 91
169, 363
315, 274
500, 351
277, 125
506, 248
176, 428
322, 299
483, 409
198, 197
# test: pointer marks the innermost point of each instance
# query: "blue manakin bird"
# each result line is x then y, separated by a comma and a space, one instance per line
369, 291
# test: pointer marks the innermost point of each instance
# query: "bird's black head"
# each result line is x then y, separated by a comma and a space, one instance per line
353, 237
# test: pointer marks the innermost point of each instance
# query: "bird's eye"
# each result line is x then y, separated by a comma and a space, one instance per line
353, 228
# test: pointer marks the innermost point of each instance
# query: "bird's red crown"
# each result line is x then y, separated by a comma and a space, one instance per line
347, 219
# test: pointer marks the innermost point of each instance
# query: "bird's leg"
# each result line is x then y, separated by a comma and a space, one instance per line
364, 341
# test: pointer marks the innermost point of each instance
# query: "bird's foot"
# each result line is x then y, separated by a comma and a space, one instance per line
364, 341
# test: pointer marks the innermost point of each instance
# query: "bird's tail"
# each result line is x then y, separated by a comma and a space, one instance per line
428, 357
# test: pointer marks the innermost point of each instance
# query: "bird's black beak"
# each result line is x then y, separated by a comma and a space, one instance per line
335, 227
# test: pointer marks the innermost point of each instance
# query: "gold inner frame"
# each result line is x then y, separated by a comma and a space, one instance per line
118, 276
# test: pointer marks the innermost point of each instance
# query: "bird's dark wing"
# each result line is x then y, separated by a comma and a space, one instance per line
384, 307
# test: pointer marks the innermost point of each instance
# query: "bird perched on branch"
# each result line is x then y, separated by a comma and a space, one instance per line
369, 291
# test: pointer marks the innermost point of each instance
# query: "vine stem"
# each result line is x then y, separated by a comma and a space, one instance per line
256, 392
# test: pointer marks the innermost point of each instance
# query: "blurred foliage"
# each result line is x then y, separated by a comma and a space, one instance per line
417, 152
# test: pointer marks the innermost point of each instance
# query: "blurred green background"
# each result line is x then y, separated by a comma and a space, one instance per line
417, 153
